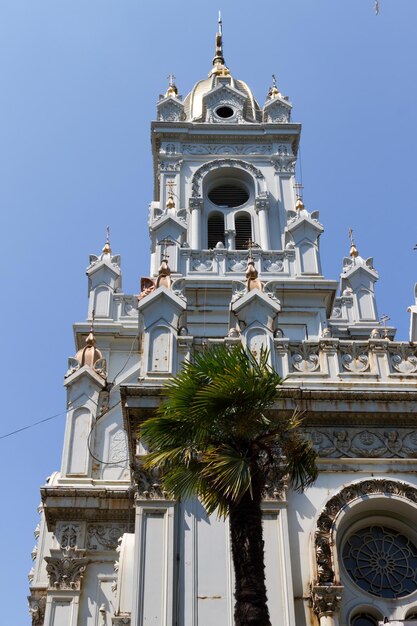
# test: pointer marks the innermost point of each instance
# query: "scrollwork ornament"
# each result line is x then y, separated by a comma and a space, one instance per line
403, 359
354, 358
305, 358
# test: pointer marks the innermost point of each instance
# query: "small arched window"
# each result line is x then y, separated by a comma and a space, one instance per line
215, 230
364, 619
243, 226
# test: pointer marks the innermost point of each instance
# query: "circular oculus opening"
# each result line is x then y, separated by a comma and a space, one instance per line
228, 195
225, 112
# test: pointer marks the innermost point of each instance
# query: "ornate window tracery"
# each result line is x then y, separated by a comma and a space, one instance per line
381, 561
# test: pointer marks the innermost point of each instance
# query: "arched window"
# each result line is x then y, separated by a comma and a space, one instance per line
215, 230
364, 619
411, 616
243, 227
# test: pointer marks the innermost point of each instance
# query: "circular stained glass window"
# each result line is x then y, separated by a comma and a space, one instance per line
382, 561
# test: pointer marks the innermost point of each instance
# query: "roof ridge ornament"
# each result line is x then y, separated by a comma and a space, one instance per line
219, 66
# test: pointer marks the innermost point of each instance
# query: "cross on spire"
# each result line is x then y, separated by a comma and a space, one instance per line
171, 80
165, 243
298, 189
383, 320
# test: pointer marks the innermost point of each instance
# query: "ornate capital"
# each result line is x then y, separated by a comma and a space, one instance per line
262, 202
66, 568
195, 203
148, 483
37, 603
326, 599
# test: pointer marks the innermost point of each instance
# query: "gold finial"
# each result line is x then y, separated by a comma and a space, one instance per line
353, 252
172, 88
376, 7
273, 91
299, 204
219, 66
107, 248
170, 200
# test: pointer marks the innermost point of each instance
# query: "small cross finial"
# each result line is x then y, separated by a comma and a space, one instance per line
274, 81
93, 319
171, 79
383, 320
251, 245
170, 204
107, 248
298, 189
165, 243
353, 252
220, 23
376, 7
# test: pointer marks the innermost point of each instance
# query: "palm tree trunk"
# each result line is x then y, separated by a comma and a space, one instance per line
245, 518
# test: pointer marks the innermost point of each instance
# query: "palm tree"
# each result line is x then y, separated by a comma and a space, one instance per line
216, 437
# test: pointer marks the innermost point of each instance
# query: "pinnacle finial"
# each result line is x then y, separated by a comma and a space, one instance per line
107, 248
273, 91
353, 252
219, 66
172, 88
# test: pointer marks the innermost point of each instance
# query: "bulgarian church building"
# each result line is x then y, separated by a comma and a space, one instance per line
235, 259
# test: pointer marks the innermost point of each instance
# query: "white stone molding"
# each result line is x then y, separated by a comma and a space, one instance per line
196, 183
104, 536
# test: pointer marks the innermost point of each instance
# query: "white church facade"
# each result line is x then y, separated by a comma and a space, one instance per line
234, 259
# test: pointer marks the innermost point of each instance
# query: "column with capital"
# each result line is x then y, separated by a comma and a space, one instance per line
326, 603
262, 206
196, 207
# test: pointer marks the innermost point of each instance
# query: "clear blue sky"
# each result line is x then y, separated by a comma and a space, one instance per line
79, 82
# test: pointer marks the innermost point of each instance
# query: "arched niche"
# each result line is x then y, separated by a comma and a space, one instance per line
259, 183
102, 301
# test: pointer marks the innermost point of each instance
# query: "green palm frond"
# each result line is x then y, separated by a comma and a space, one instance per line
209, 434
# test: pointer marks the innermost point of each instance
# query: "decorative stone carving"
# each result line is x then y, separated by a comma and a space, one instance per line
354, 357
148, 483
202, 262
170, 110
326, 600
68, 535
130, 308
305, 358
104, 536
277, 112
195, 203
226, 149
118, 447
238, 290
237, 262
262, 201
368, 443
284, 164
403, 359
120, 621
37, 604
66, 568
218, 163
273, 263
170, 166
323, 535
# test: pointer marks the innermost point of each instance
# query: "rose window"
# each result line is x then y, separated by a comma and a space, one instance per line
382, 561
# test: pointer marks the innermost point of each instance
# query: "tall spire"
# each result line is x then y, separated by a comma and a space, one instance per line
219, 66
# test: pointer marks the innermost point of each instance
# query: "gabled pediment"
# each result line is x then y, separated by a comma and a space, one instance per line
170, 109
162, 299
85, 372
256, 306
169, 220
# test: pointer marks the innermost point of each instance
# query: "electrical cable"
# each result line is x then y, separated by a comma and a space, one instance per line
19, 430
118, 462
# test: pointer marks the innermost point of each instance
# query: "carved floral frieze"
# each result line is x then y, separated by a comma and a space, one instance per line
104, 536
219, 148
324, 540
364, 443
